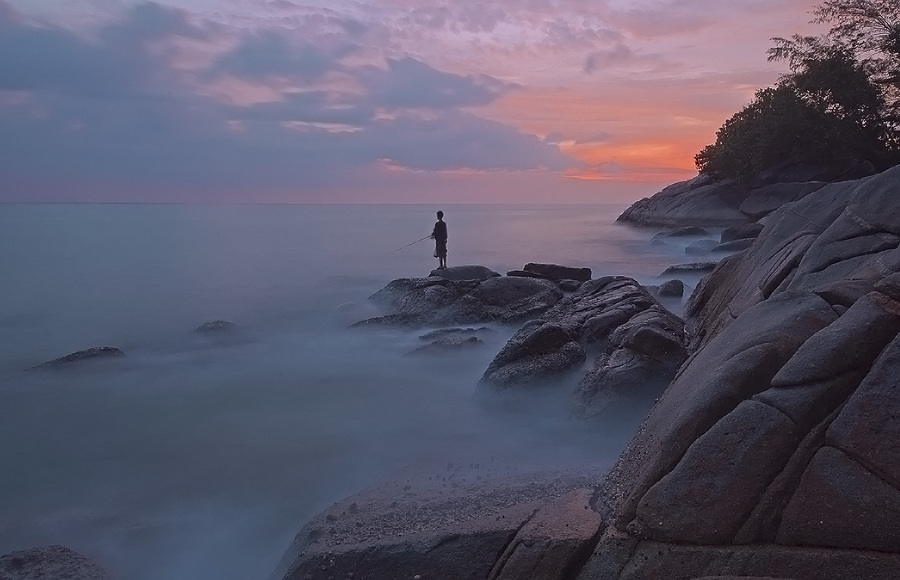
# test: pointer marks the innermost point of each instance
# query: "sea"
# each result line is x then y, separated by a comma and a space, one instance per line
200, 456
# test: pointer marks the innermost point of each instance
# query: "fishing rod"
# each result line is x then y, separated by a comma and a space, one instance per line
411, 243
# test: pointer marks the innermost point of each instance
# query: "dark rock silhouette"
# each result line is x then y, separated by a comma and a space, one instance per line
82, 356
216, 327
558, 273
671, 289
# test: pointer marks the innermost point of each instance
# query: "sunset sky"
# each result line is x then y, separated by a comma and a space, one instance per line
372, 101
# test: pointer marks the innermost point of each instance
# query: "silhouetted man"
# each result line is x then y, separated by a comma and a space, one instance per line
439, 235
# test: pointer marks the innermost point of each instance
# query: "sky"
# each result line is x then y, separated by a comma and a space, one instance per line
363, 101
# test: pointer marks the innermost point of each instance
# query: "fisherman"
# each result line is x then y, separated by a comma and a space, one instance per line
439, 235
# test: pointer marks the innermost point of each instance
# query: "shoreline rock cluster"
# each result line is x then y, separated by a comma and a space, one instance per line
773, 452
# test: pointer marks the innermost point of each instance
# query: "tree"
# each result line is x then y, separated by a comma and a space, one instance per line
839, 104
868, 30
777, 126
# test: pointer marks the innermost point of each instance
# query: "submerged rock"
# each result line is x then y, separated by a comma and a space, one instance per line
216, 327
93, 353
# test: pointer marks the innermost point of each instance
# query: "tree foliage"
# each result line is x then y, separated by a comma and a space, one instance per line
839, 104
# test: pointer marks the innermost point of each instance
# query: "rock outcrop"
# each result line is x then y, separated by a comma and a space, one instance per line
474, 294
696, 202
784, 461
637, 342
774, 452
702, 201
462, 523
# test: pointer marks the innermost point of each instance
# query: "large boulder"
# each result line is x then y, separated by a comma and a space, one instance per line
465, 524
638, 346
697, 202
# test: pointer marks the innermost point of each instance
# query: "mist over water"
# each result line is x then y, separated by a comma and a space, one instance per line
201, 456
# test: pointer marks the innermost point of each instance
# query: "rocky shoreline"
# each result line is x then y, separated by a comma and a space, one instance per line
773, 451
769, 446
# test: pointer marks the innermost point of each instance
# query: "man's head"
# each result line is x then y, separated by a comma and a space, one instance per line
440, 215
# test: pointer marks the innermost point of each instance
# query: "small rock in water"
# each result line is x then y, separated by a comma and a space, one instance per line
557, 272
447, 344
216, 326
81, 356
671, 288
692, 267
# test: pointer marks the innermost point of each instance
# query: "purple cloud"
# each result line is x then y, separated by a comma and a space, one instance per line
118, 111
409, 83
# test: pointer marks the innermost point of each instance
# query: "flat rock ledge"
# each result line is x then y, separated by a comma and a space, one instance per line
470, 522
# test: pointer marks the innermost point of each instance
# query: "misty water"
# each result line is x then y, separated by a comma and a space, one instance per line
201, 456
